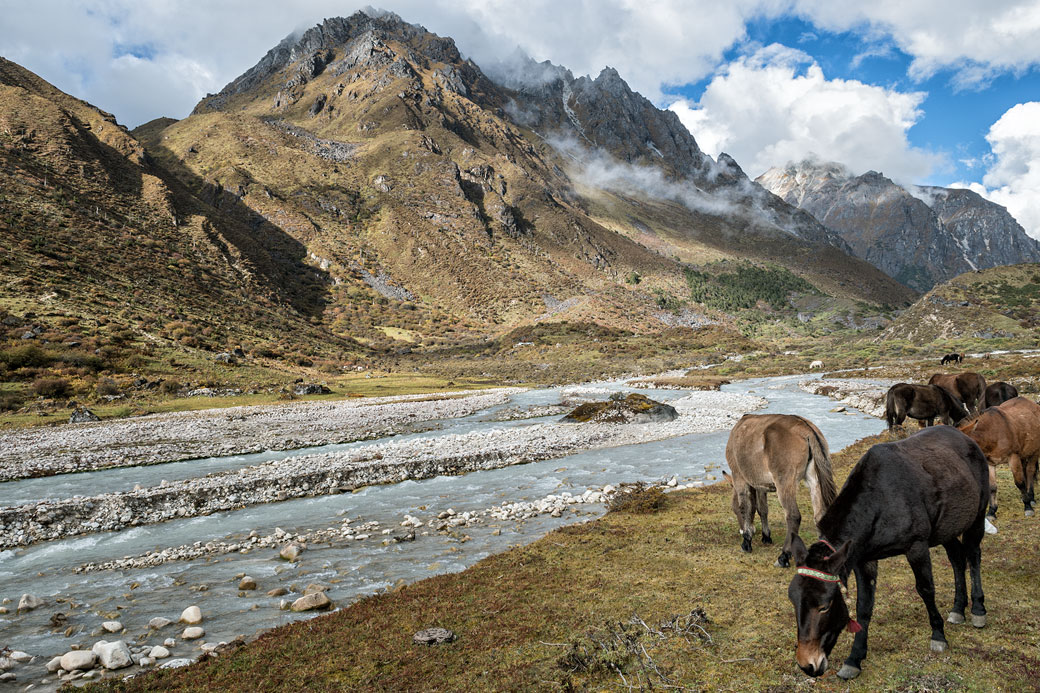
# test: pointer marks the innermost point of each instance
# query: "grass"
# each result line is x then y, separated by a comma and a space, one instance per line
659, 598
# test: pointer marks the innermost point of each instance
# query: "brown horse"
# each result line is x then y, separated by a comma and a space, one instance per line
999, 392
969, 387
900, 499
773, 452
1009, 434
922, 402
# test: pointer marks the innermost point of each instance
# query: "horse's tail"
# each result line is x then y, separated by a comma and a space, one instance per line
820, 457
894, 409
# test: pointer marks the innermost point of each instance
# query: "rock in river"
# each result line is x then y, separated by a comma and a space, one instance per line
317, 600
28, 602
192, 633
192, 615
112, 626
247, 583
113, 655
159, 622
635, 408
78, 659
290, 552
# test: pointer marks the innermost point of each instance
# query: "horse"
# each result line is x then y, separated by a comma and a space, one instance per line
1009, 434
816, 365
969, 387
951, 358
773, 452
999, 392
921, 402
900, 499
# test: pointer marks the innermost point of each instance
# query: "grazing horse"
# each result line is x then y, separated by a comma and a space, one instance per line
1009, 434
900, 499
816, 365
773, 452
921, 402
951, 358
969, 387
999, 392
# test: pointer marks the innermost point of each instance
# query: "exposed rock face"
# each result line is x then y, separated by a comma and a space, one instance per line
919, 237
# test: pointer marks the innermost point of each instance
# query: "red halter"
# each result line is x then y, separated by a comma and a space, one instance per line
853, 625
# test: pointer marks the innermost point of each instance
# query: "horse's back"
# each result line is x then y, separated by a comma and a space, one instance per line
1023, 417
934, 483
758, 442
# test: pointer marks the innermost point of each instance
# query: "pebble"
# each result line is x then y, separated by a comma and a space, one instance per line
21, 657
192, 633
158, 652
277, 592
7, 676
112, 626
247, 583
170, 642
159, 623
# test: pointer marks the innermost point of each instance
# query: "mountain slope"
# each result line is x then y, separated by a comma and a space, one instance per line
920, 238
394, 155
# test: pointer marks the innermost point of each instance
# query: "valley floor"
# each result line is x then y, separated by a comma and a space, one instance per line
635, 600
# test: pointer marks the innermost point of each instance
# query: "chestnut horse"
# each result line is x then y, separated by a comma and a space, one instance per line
969, 387
773, 452
999, 392
922, 402
900, 499
1009, 434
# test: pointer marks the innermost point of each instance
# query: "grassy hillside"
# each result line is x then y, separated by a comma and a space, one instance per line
656, 597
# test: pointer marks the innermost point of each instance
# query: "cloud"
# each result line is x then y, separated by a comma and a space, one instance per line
775, 106
977, 40
1013, 176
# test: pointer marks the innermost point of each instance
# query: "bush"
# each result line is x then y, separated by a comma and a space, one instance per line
55, 388
107, 388
28, 356
11, 401
170, 387
641, 500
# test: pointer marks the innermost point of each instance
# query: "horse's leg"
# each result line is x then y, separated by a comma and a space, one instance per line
993, 491
762, 507
921, 563
1018, 472
866, 582
958, 559
744, 509
1030, 472
973, 552
787, 492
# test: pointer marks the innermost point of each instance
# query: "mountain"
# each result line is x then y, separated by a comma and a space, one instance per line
921, 236
110, 247
999, 303
493, 200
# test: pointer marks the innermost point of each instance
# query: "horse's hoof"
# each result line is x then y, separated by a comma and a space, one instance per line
1030, 512
745, 546
978, 620
955, 617
767, 539
990, 527
848, 672
783, 561
938, 645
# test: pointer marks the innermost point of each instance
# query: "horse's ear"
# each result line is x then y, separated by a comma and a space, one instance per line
836, 560
798, 550
726, 476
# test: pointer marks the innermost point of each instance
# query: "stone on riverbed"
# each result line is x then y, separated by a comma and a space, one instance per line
192, 615
6, 663
159, 622
28, 602
247, 583
158, 652
314, 588
277, 592
20, 657
113, 655
635, 408
433, 636
317, 600
78, 659
176, 663
112, 626
192, 633
290, 552
54, 664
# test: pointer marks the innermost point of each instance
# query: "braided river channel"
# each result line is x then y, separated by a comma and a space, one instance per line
350, 568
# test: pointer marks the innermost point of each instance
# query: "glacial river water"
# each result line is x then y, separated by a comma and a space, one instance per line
353, 569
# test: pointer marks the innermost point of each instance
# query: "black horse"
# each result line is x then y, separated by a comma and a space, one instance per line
922, 402
999, 392
951, 358
901, 498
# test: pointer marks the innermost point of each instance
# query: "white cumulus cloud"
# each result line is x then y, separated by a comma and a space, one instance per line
1013, 176
776, 105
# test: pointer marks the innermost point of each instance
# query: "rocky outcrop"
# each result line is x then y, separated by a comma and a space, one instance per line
634, 408
920, 236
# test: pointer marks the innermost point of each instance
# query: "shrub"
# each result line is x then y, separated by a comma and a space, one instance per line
107, 387
55, 388
27, 356
641, 500
11, 401
170, 387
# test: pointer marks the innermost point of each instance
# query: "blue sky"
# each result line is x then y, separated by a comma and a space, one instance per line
928, 91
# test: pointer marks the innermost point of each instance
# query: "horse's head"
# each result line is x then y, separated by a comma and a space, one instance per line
817, 593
